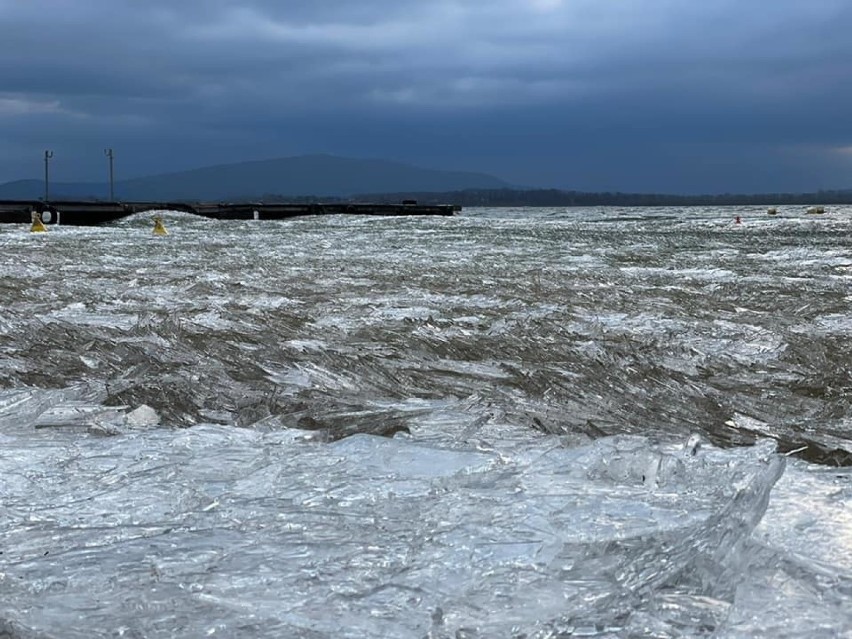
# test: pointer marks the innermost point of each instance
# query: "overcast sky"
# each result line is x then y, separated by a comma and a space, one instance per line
629, 95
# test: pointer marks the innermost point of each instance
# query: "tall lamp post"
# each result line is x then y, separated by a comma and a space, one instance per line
108, 153
47, 156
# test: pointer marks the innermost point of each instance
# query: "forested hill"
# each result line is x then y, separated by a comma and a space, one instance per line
289, 178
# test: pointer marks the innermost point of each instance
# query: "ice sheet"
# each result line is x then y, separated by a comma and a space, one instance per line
223, 531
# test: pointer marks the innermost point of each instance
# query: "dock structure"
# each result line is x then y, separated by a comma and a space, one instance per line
71, 213
94, 213
255, 211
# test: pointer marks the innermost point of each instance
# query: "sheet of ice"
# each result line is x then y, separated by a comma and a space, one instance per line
221, 531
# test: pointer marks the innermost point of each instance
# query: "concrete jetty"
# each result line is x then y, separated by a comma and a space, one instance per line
94, 213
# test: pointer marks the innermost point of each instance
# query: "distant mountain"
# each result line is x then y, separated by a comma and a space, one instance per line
319, 175
34, 189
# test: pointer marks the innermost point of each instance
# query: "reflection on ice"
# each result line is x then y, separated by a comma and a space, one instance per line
230, 532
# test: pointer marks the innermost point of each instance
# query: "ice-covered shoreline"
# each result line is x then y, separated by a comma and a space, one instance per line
474, 426
223, 531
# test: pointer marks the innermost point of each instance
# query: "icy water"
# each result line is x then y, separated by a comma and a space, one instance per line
508, 423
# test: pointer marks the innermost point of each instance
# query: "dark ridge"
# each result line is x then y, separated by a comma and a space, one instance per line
290, 177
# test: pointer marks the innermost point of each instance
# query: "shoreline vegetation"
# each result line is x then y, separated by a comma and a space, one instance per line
559, 198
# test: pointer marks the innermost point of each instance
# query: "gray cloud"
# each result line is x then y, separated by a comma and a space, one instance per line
658, 95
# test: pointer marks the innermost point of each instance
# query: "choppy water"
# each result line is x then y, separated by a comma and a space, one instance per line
541, 377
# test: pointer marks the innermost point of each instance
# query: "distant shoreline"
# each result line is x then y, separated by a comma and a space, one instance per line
469, 198
555, 197
317, 179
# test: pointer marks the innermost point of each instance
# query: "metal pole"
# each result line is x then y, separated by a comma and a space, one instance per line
47, 156
108, 153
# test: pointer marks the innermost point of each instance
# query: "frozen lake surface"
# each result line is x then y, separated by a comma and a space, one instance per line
509, 423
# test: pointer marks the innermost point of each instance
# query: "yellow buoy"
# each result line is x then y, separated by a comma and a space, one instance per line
38, 226
159, 228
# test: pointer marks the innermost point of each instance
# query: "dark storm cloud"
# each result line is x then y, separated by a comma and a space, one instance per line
657, 95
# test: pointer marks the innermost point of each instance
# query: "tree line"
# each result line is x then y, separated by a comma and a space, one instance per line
555, 197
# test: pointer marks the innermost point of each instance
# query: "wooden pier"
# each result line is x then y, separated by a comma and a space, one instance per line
93, 213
